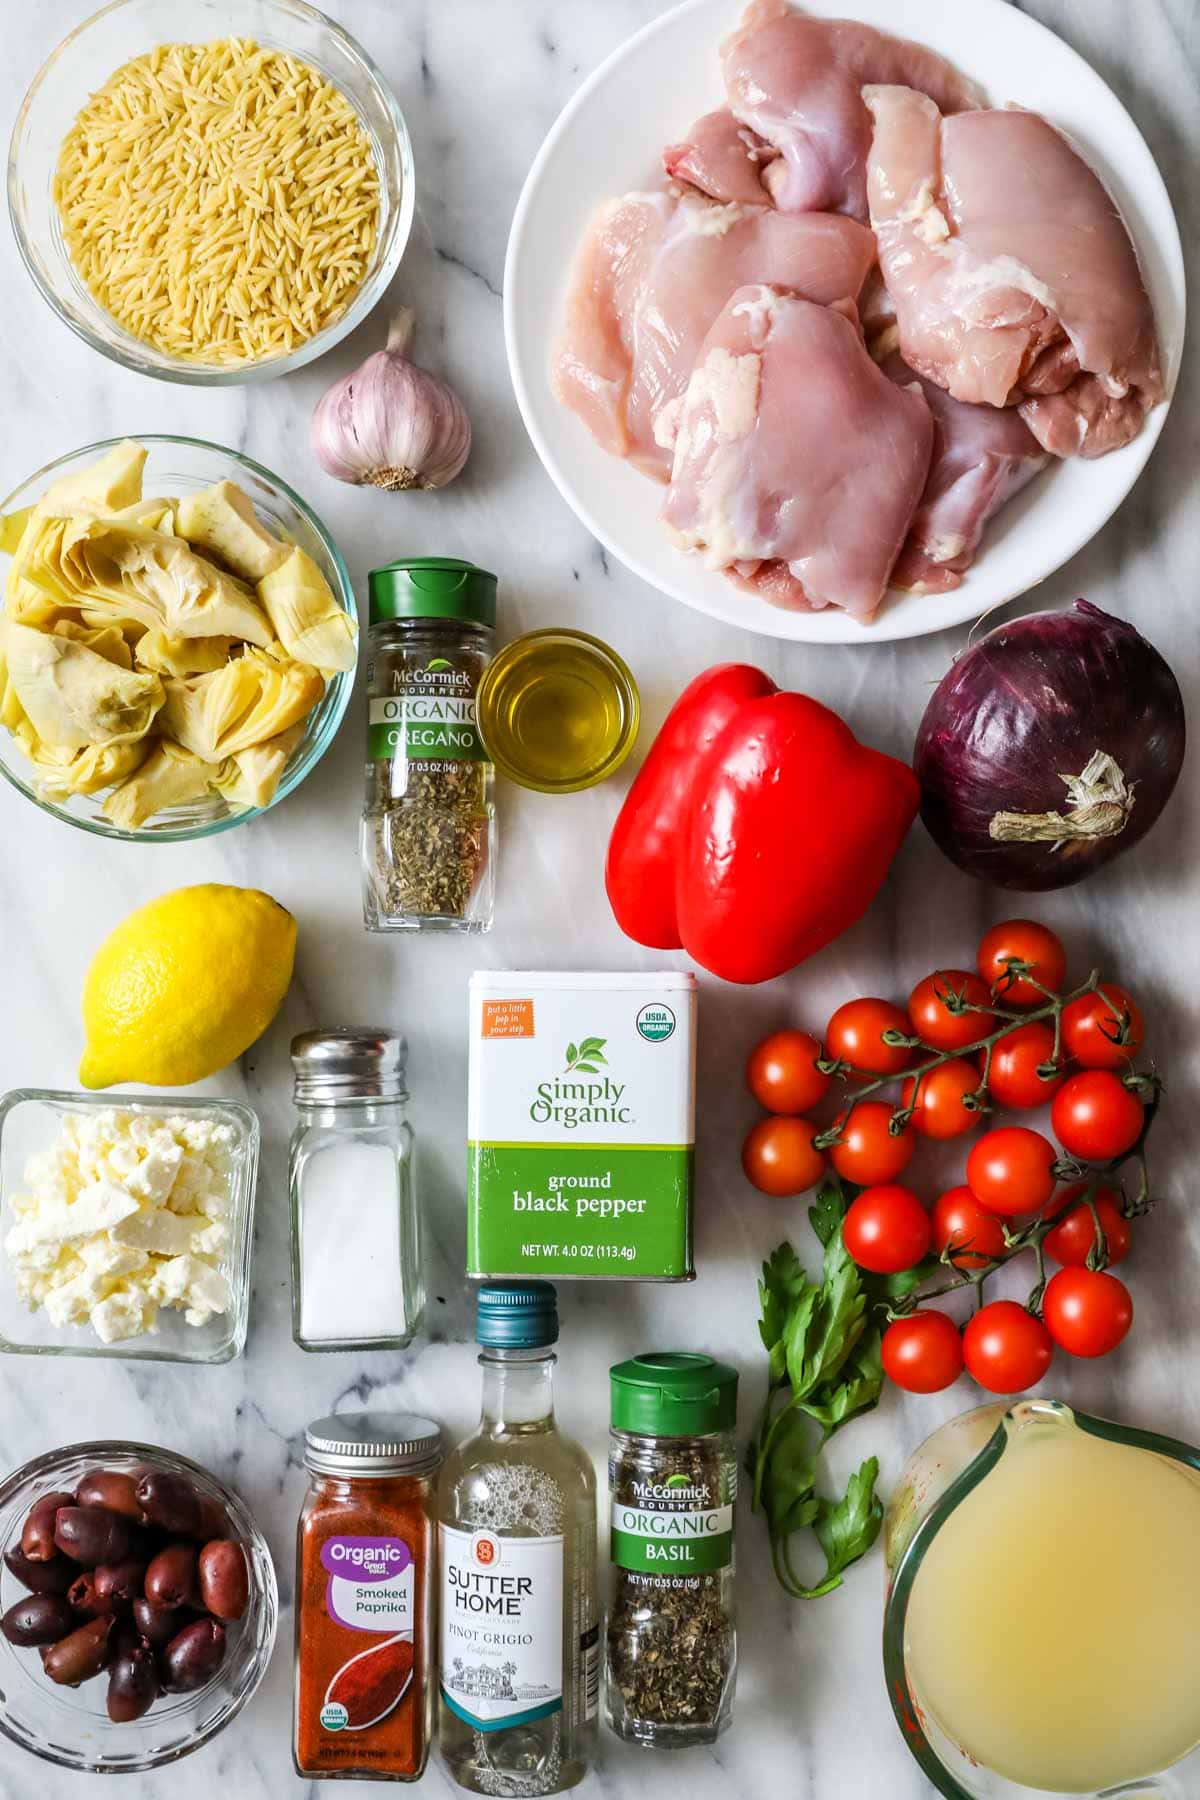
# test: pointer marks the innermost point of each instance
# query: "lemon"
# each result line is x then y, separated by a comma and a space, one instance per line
184, 985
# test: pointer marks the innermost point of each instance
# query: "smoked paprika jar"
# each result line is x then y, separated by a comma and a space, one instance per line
365, 1552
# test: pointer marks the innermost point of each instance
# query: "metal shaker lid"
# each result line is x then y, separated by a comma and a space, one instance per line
349, 1062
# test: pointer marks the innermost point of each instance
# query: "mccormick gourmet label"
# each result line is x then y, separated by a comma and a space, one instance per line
670, 1529
581, 1126
502, 1630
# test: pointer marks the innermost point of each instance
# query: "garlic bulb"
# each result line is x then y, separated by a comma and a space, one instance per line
390, 424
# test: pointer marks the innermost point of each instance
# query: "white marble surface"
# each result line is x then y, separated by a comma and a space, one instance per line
480, 81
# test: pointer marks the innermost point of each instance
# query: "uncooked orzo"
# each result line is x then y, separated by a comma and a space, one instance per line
220, 200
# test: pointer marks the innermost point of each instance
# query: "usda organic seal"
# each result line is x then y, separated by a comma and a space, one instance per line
655, 1023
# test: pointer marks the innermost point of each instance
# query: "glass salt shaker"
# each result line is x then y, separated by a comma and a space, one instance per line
357, 1281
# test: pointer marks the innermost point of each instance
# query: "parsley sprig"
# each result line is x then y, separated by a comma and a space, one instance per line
823, 1346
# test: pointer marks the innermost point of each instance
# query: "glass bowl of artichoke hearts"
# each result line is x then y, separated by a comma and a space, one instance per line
177, 642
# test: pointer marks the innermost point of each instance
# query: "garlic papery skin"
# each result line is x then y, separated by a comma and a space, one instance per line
390, 424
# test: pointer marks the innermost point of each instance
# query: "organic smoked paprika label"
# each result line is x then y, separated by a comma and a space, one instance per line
370, 1583
362, 1660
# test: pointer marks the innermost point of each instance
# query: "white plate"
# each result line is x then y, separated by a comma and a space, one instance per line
607, 140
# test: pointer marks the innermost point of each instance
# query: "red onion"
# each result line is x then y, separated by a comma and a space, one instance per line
1051, 746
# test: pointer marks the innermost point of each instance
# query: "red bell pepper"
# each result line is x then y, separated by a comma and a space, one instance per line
758, 829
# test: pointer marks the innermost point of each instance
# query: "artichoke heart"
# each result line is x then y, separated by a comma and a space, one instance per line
74, 697
245, 703
221, 519
183, 656
67, 772
105, 486
170, 776
252, 777
126, 570
106, 640
310, 624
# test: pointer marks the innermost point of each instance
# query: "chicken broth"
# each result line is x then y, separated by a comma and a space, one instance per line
1053, 1630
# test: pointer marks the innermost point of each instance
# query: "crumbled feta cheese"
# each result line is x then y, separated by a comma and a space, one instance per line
127, 1212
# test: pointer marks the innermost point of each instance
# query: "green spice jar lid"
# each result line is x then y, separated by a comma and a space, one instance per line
673, 1393
432, 587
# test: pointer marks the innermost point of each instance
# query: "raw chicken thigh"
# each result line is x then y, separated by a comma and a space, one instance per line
1012, 273
982, 456
723, 158
796, 452
652, 275
797, 81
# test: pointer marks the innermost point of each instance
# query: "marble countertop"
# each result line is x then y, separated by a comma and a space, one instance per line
480, 81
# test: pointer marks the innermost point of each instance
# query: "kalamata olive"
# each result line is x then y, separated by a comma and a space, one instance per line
214, 1520
171, 1577
122, 1581
80, 1656
224, 1579
132, 1685
38, 1619
53, 1577
112, 1489
91, 1536
37, 1534
85, 1597
194, 1655
170, 1501
157, 1624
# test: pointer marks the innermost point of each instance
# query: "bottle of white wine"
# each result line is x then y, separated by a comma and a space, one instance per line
520, 1637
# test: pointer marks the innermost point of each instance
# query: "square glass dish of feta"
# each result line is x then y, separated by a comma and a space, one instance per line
125, 1225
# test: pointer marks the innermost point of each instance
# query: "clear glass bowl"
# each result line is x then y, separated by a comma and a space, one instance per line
70, 1726
30, 1121
180, 465
940, 1475
129, 28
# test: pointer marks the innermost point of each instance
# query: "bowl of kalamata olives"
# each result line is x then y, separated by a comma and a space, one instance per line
137, 1606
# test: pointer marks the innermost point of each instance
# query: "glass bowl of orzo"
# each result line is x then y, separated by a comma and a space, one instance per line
211, 191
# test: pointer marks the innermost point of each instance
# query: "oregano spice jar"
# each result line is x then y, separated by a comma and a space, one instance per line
672, 1640
428, 830
365, 1559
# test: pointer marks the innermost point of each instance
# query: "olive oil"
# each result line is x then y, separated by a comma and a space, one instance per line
558, 711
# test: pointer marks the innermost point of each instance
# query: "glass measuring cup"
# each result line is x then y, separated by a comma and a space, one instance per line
943, 1473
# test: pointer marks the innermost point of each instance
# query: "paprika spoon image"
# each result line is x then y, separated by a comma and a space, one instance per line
372, 1684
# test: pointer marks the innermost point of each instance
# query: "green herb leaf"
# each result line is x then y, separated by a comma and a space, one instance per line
572, 1055
847, 1528
856, 1391
784, 1281
788, 1497
592, 1047
826, 1214
588, 1068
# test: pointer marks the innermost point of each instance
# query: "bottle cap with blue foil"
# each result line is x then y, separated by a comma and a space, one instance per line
516, 1315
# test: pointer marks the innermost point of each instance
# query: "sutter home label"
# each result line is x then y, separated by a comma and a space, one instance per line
581, 1125
502, 1629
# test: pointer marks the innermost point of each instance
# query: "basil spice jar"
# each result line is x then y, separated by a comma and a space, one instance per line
428, 829
671, 1659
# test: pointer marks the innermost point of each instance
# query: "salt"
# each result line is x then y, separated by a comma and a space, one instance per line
351, 1276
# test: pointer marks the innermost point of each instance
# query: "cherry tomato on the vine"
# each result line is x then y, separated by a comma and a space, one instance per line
923, 1353
1005, 1348
886, 1229
1087, 1311
779, 1157
1103, 1030
938, 1110
1013, 1078
782, 1072
1073, 1239
1010, 1170
1027, 942
855, 1035
1096, 1117
936, 1023
867, 1152
959, 1220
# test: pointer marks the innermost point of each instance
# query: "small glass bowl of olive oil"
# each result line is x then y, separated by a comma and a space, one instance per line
558, 711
